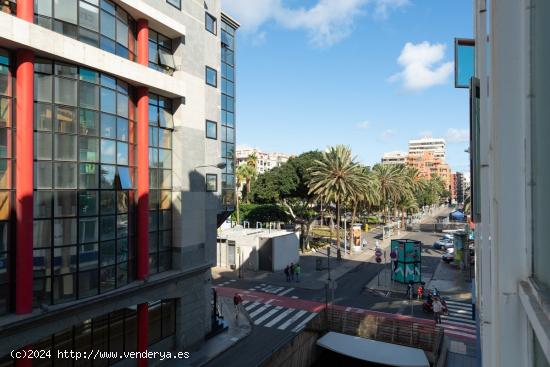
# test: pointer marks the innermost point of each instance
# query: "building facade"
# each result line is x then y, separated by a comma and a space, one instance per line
394, 158
110, 159
435, 145
428, 164
511, 179
264, 161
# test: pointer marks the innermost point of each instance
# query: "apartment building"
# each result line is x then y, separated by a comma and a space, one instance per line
395, 157
265, 161
511, 179
110, 163
426, 144
428, 164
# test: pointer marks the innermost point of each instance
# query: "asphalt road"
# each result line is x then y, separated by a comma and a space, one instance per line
350, 292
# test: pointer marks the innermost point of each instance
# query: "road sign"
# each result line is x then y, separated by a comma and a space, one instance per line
378, 252
378, 260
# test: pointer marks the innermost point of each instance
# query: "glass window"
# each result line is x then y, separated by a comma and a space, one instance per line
108, 229
176, 3
108, 100
108, 126
66, 10
122, 33
65, 91
69, 71
166, 58
87, 229
121, 153
88, 176
122, 129
43, 88
211, 77
43, 145
65, 175
42, 116
108, 151
88, 75
211, 182
65, 147
42, 233
64, 203
108, 25
211, 23
64, 232
89, 96
43, 7
87, 203
211, 129
43, 175
88, 149
88, 16
122, 105
108, 177
42, 204
65, 119
107, 202
89, 122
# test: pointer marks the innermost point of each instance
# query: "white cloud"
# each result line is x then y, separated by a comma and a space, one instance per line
423, 66
363, 125
457, 135
387, 134
326, 23
383, 7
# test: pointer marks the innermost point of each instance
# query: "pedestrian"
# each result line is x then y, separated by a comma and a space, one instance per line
409, 290
297, 270
437, 308
237, 300
287, 273
420, 291
292, 270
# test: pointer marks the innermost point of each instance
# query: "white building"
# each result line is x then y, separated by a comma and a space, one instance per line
511, 180
437, 146
395, 157
265, 161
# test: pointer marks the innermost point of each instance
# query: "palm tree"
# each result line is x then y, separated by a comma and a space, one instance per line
336, 177
243, 173
368, 195
392, 185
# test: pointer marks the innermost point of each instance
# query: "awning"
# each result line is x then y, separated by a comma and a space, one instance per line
373, 350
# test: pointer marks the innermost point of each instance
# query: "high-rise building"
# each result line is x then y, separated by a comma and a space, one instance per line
109, 170
428, 164
510, 181
437, 146
265, 161
395, 157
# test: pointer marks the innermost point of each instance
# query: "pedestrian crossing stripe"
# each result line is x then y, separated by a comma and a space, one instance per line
285, 292
267, 315
250, 307
302, 324
280, 317
292, 320
458, 322
259, 310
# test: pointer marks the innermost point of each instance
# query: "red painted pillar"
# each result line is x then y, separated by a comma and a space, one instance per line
24, 180
24, 108
143, 331
143, 187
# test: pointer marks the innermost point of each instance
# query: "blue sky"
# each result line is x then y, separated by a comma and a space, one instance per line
370, 74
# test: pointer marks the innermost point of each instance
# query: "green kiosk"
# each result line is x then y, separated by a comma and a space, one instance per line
406, 258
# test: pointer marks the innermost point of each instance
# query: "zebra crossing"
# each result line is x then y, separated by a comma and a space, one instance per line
272, 289
458, 322
281, 318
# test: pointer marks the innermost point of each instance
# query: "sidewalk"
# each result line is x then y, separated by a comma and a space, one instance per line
239, 328
311, 278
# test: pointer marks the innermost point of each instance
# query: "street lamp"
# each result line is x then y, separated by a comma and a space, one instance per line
220, 165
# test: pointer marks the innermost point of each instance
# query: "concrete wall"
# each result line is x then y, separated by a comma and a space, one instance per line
285, 250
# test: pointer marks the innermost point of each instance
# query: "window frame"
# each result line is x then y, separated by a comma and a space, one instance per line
216, 129
207, 69
208, 16
207, 178
170, 2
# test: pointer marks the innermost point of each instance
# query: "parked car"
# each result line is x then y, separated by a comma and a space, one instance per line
442, 243
448, 257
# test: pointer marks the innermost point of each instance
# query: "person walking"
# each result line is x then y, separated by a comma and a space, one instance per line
297, 270
437, 308
409, 293
237, 300
420, 292
292, 270
287, 273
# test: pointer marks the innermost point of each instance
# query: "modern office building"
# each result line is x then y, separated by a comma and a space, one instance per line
426, 144
395, 157
510, 180
265, 161
112, 147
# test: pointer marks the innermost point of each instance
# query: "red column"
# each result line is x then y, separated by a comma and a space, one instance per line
24, 180
143, 331
143, 187
24, 109
142, 183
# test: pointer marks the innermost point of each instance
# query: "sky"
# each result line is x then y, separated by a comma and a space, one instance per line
370, 74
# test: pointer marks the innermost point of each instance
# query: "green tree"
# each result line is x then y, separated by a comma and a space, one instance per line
244, 173
336, 177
